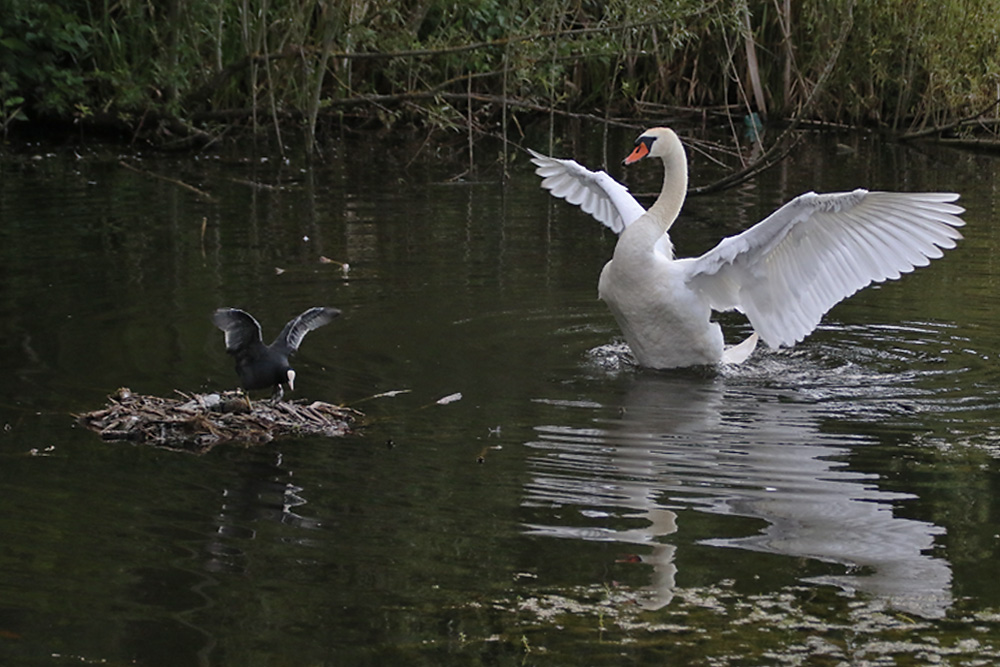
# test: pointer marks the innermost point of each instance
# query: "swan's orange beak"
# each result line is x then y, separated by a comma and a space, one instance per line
641, 150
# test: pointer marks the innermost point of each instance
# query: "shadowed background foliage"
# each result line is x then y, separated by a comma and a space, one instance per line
183, 70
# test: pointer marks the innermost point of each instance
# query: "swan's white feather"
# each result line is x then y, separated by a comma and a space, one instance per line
607, 200
787, 271
784, 273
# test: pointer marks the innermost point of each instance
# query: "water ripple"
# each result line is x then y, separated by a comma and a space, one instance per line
746, 442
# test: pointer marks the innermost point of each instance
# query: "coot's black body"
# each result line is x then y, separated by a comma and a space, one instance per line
261, 366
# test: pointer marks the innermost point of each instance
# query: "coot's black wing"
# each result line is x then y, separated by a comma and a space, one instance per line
291, 336
241, 329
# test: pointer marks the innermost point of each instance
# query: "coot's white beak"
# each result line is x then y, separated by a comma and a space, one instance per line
291, 380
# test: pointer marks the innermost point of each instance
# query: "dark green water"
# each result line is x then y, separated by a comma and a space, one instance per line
837, 502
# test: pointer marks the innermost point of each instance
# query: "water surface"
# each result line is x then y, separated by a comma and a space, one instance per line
836, 501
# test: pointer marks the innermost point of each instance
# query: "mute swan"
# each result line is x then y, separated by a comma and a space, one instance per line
784, 273
261, 366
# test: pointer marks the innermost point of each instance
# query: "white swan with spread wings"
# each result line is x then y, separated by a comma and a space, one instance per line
784, 273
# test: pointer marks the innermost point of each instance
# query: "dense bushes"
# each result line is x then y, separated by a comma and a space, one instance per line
280, 65
44, 54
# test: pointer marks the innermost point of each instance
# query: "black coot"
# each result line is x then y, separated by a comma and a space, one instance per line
261, 366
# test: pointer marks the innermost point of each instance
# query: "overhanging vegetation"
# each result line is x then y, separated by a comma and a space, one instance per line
176, 73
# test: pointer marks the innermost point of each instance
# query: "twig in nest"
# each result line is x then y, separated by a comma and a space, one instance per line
198, 422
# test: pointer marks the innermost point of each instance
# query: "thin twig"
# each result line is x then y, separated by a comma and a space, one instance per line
780, 149
461, 48
200, 193
940, 129
217, 80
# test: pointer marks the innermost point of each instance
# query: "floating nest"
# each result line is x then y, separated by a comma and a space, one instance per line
198, 422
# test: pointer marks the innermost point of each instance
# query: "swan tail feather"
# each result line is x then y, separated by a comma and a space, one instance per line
737, 354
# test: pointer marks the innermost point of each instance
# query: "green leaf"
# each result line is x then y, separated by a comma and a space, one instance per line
14, 44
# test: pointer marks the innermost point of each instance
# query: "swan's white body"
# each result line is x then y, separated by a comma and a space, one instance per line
784, 273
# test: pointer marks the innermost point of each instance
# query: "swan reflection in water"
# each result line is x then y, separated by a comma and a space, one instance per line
744, 450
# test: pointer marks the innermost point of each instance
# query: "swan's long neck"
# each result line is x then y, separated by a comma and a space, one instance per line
638, 240
675, 181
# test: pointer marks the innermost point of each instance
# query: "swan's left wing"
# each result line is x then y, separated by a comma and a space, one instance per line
788, 270
595, 192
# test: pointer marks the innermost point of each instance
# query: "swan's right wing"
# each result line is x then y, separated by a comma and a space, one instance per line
788, 270
595, 192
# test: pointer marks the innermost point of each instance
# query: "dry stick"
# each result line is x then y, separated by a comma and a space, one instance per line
607, 108
468, 117
741, 89
784, 11
253, 65
979, 144
938, 129
776, 153
255, 184
552, 94
220, 77
318, 90
271, 98
478, 97
503, 110
752, 67
200, 193
366, 55
377, 100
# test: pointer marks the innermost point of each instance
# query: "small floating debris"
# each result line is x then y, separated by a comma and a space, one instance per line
198, 422
450, 398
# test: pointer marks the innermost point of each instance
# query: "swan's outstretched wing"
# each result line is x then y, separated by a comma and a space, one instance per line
595, 192
788, 270
291, 336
